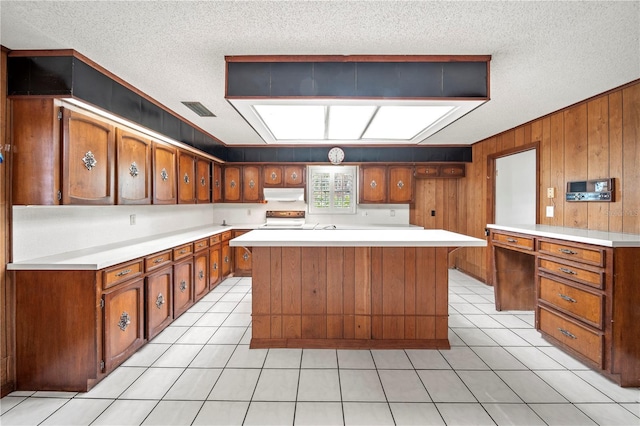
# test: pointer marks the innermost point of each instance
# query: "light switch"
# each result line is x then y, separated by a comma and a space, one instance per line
551, 192
549, 211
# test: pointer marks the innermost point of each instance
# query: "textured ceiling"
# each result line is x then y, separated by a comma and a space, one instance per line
545, 55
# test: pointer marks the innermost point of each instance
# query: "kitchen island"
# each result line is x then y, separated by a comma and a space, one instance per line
383, 288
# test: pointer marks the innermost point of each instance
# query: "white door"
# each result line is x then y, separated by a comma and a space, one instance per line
516, 189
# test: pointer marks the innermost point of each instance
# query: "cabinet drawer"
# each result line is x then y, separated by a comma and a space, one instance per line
586, 306
157, 260
591, 256
591, 278
214, 239
518, 241
121, 273
226, 235
182, 251
574, 336
201, 244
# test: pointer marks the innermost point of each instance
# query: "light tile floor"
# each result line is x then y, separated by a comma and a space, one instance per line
200, 371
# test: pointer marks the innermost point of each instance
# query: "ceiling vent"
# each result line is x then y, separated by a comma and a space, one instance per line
199, 109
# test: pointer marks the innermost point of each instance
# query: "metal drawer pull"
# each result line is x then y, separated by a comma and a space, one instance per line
567, 333
273, 175
183, 251
512, 240
183, 285
567, 271
158, 260
159, 301
124, 321
122, 273
201, 274
567, 298
294, 176
567, 251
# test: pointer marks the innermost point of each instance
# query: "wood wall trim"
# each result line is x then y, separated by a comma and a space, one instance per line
358, 58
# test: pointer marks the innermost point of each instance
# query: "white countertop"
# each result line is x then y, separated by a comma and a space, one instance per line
416, 237
587, 236
108, 255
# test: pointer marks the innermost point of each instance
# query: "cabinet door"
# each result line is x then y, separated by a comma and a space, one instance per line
164, 174
201, 275
203, 180
294, 176
251, 184
186, 177
400, 184
272, 176
182, 287
373, 184
225, 253
453, 170
232, 184
159, 303
241, 258
217, 182
123, 322
215, 268
88, 160
133, 159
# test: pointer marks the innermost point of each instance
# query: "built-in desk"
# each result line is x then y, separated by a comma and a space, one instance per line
583, 286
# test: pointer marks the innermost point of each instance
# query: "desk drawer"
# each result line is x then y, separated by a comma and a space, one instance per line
214, 239
182, 251
594, 279
591, 256
576, 337
226, 235
121, 273
517, 241
157, 260
584, 305
201, 244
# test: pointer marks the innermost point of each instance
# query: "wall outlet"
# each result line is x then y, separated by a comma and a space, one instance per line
551, 192
132, 219
248, 212
549, 211
392, 213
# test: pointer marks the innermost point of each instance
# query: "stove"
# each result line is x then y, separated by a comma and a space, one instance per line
284, 219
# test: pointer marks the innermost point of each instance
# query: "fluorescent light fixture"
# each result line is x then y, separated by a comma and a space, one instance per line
404, 122
350, 121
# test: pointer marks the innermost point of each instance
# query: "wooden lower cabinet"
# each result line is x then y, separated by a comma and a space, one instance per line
182, 287
123, 322
159, 301
201, 275
241, 257
215, 270
225, 254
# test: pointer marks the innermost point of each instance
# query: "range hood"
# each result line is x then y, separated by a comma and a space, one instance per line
284, 194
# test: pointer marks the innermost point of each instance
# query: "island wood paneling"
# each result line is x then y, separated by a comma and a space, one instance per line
598, 137
367, 297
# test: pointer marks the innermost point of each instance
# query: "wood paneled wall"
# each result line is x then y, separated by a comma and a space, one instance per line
596, 138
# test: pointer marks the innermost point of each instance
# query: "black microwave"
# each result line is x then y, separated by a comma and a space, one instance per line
590, 190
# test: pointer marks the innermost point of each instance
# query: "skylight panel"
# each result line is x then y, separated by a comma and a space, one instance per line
404, 122
293, 122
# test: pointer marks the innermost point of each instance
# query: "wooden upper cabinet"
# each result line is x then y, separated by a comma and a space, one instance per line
216, 184
251, 184
232, 182
88, 160
294, 176
453, 170
164, 174
373, 184
203, 180
272, 176
133, 159
186, 178
400, 184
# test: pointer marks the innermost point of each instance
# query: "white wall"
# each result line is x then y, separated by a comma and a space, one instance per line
515, 201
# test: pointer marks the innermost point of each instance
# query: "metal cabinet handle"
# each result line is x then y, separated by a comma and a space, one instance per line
567, 271
186, 178
252, 184
201, 274
232, 184
183, 251
373, 184
226, 259
215, 266
512, 240
89, 160
159, 260
133, 169
274, 175
567, 298
294, 176
567, 333
400, 184
245, 256
567, 251
124, 322
123, 273
183, 286
159, 301
164, 175
203, 181
217, 184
